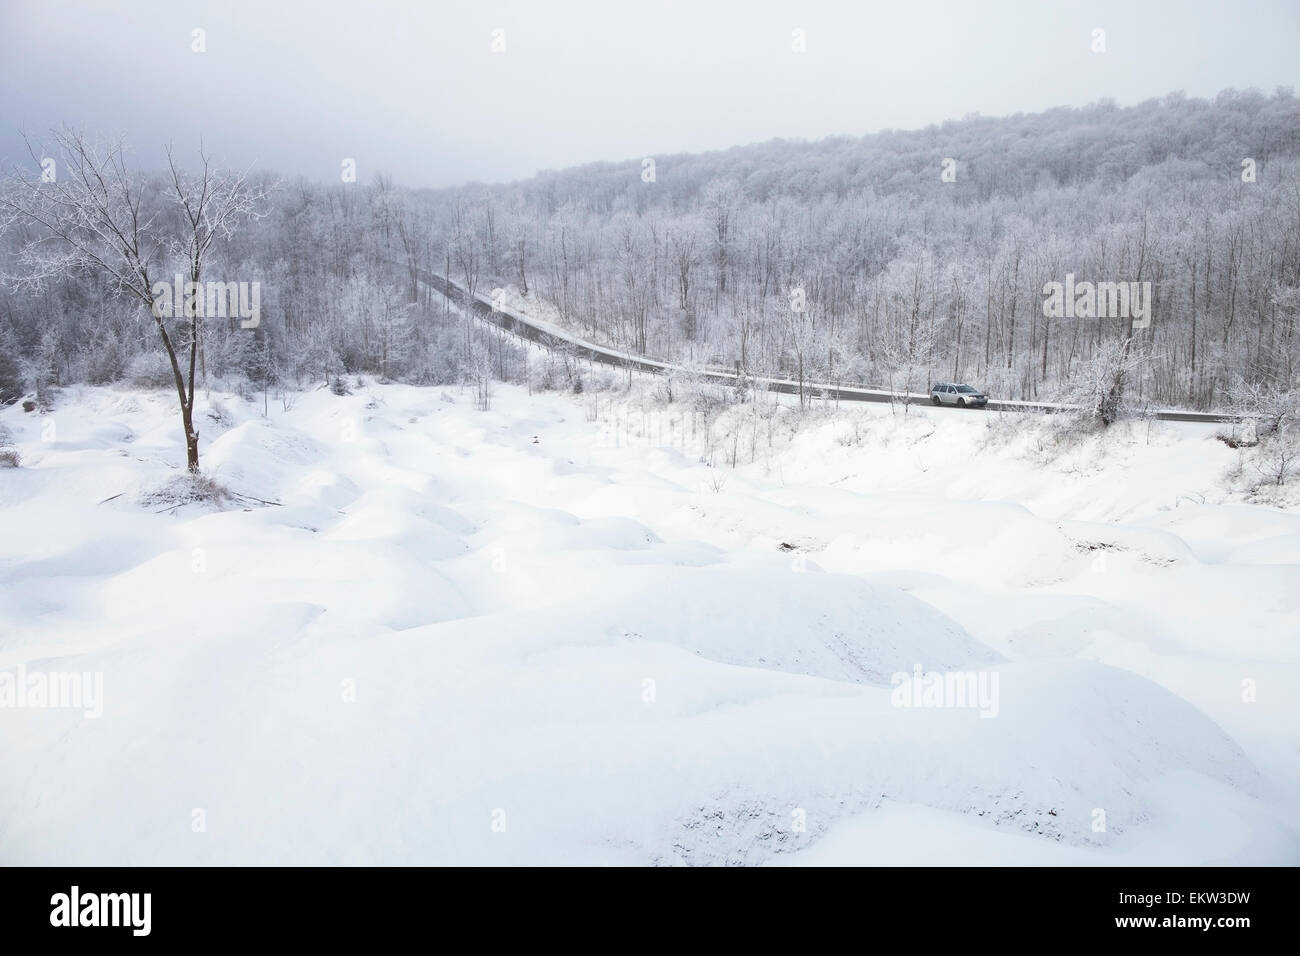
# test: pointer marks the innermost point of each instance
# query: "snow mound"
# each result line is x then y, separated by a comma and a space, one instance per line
256, 458
821, 625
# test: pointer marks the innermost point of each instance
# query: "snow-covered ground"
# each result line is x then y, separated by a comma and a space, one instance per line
527, 636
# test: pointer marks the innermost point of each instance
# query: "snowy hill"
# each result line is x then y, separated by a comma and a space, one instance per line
429, 634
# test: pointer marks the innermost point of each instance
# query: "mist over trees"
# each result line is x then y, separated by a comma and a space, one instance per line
848, 260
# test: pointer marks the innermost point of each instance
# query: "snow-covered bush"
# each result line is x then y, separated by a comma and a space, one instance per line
9, 457
1263, 410
1278, 458
1266, 436
219, 416
150, 370
105, 358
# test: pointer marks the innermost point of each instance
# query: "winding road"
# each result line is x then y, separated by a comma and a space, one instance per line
552, 337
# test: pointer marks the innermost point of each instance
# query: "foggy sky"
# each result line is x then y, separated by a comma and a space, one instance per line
414, 89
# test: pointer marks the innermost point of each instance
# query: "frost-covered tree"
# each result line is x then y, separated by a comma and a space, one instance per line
95, 215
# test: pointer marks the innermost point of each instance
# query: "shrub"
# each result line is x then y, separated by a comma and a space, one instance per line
105, 359
150, 370
185, 489
11, 375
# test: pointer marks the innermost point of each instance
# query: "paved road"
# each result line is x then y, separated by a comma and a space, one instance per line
552, 337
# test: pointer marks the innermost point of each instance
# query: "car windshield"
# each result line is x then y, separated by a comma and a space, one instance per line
964, 388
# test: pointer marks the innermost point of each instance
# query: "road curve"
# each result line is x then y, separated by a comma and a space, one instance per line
552, 337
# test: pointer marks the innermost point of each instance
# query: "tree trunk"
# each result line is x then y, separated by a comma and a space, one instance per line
191, 440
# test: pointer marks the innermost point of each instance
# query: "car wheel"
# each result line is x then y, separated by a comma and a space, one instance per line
935, 399
961, 403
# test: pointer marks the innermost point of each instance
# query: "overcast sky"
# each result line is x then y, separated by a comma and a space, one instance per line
414, 89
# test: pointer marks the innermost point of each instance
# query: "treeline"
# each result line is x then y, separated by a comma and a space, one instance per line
922, 256
896, 259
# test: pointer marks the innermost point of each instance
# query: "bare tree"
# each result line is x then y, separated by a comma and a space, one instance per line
95, 215
720, 199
